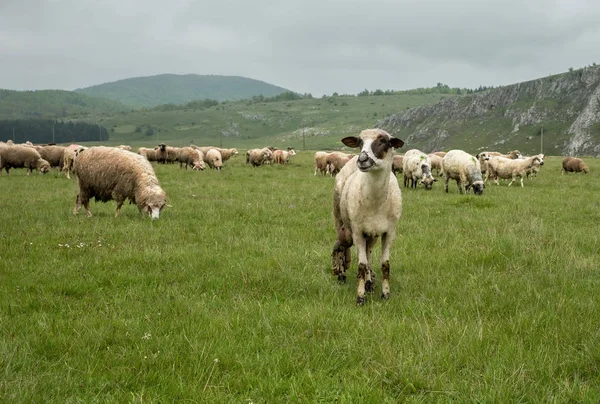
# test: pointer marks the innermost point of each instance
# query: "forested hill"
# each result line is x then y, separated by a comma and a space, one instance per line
180, 89
51, 104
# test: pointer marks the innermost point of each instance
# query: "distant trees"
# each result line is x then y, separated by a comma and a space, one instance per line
48, 131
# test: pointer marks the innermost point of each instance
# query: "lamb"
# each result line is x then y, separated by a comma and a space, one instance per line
192, 157
283, 156
367, 203
52, 154
19, 156
416, 165
69, 157
535, 168
574, 165
258, 157
108, 173
465, 169
502, 167
321, 162
213, 159
336, 161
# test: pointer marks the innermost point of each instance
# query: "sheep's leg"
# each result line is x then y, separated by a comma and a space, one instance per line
119, 205
341, 254
386, 245
446, 179
521, 177
370, 276
513, 180
363, 269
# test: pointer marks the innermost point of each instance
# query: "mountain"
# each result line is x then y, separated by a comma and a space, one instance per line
559, 114
51, 104
180, 89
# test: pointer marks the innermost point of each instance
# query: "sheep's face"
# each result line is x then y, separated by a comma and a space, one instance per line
154, 205
375, 145
428, 181
483, 156
43, 166
478, 187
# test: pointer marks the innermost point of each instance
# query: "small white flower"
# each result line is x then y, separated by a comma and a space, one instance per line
147, 336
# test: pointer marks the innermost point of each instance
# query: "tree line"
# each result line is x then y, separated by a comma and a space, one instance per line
40, 131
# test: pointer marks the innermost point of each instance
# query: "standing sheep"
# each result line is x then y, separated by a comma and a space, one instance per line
436, 162
108, 173
213, 159
336, 161
283, 156
18, 156
321, 162
367, 204
504, 168
397, 164
69, 158
53, 154
574, 165
416, 168
465, 169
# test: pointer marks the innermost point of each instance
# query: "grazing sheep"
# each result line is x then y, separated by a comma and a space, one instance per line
283, 156
416, 168
465, 169
336, 161
258, 157
321, 162
52, 154
213, 159
69, 158
150, 154
367, 204
18, 156
192, 157
108, 173
574, 165
436, 162
397, 163
502, 167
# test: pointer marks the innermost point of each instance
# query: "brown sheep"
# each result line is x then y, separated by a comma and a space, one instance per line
574, 165
192, 157
18, 156
397, 163
436, 162
336, 161
108, 173
258, 157
53, 155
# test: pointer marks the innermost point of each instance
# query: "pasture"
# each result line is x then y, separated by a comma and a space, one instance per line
229, 296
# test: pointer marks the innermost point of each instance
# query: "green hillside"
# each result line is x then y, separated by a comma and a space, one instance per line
53, 104
180, 89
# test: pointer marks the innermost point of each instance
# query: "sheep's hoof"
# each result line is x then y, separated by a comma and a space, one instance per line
342, 278
385, 296
360, 301
369, 286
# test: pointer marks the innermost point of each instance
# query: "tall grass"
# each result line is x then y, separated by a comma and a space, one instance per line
229, 296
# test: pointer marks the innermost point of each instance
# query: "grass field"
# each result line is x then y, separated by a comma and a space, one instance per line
229, 296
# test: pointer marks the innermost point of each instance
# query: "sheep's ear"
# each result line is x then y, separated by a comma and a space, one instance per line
351, 141
396, 143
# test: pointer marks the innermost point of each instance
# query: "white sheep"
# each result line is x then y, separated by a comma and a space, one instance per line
416, 168
465, 169
367, 204
321, 162
213, 159
258, 157
504, 168
436, 162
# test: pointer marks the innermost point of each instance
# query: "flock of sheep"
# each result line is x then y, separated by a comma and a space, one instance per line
367, 197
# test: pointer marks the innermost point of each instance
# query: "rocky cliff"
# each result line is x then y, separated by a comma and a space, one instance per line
558, 115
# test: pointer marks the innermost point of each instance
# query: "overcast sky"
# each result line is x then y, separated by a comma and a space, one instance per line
307, 46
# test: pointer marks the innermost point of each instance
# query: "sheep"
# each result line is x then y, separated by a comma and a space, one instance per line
258, 157
213, 159
417, 165
226, 154
397, 164
465, 169
436, 162
483, 158
69, 157
149, 154
283, 156
321, 162
18, 156
52, 154
336, 161
367, 203
502, 167
574, 165
535, 168
124, 147
439, 153
108, 173
192, 157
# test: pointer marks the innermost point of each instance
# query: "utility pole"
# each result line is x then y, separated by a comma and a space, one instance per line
53, 133
542, 141
13, 134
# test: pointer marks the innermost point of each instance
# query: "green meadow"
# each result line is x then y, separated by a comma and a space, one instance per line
229, 296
